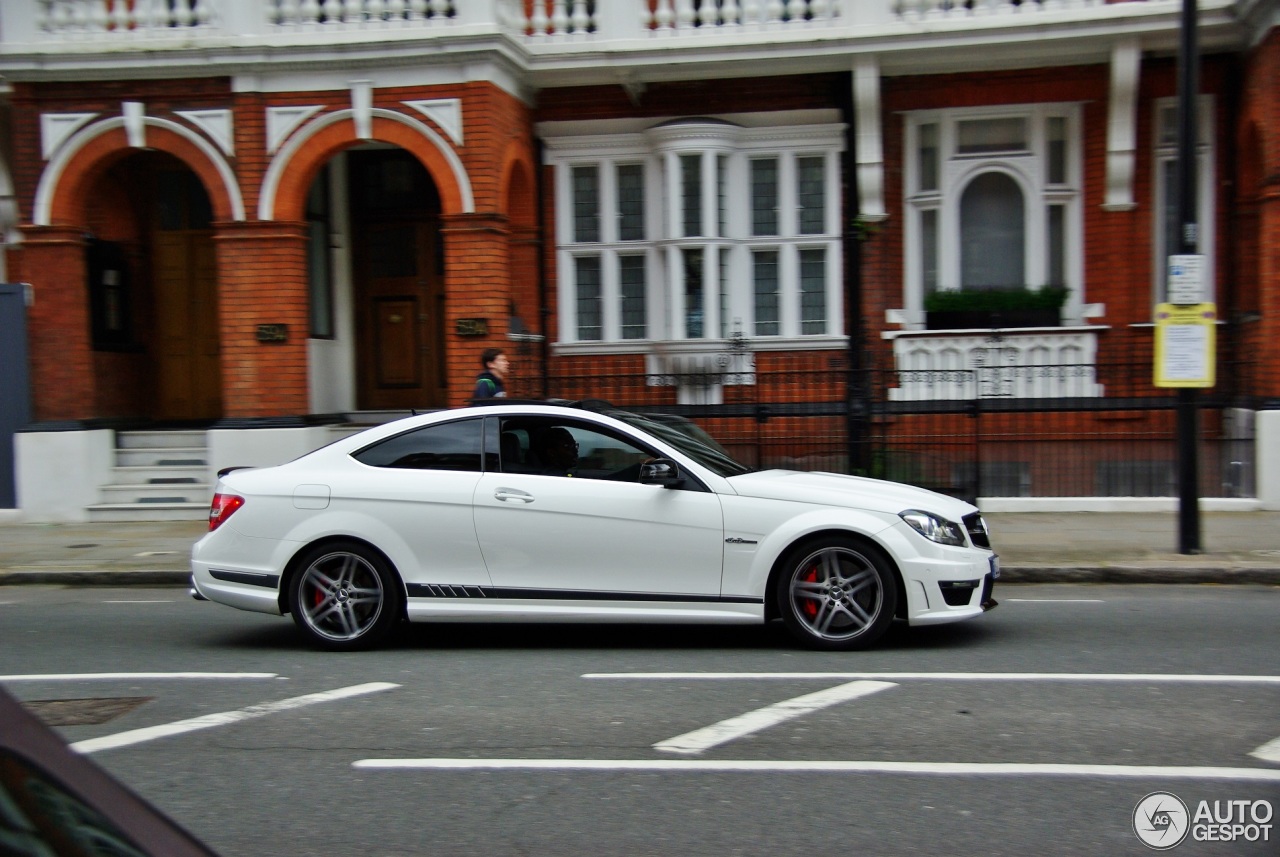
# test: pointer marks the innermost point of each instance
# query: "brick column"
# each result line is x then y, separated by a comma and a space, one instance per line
262, 280
477, 285
52, 260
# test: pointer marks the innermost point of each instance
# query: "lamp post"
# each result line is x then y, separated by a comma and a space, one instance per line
1188, 244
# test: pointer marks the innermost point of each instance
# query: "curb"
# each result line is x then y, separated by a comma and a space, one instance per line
1225, 575
90, 577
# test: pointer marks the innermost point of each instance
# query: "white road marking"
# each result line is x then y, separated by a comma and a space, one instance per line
909, 676
762, 718
224, 718
1157, 772
1268, 752
132, 676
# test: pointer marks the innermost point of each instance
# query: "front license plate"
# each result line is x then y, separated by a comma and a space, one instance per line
995, 567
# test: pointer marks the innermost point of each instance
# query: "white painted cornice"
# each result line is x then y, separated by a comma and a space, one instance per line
1000, 37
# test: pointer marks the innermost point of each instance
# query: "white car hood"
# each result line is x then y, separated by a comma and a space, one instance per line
854, 492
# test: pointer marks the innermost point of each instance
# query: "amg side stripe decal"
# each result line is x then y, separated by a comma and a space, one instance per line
269, 581
438, 590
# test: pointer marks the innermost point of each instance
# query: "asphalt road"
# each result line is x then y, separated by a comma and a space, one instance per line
1035, 729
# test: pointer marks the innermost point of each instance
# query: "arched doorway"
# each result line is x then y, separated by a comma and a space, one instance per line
397, 274
153, 290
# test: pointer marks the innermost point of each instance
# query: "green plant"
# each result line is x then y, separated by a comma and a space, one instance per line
996, 300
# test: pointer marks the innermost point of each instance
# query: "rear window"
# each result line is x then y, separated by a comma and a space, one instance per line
443, 446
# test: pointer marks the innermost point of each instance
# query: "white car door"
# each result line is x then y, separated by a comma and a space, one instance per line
571, 536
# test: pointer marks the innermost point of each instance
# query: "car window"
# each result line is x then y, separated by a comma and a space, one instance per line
442, 446
557, 447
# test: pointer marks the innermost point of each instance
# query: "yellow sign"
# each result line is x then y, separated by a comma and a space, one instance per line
1185, 338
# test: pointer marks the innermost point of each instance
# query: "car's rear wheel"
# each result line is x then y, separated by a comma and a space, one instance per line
344, 596
836, 593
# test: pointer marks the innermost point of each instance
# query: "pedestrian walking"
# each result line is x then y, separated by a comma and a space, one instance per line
490, 383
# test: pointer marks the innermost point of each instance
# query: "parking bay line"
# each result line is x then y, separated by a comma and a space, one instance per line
1268, 752
762, 718
828, 766
132, 676
224, 718
957, 676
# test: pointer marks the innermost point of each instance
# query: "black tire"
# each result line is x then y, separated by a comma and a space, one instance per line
836, 594
344, 596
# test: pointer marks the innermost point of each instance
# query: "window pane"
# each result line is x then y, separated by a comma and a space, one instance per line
691, 190
631, 202
929, 250
1056, 229
976, 136
1168, 118
588, 285
722, 195
634, 316
1167, 235
992, 230
813, 186
452, 446
765, 278
694, 313
724, 294
764, 196
1056, 169
928, 157
813, 291
586, 204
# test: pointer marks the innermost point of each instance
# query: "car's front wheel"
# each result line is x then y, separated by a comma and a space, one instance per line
836, 593
344, 596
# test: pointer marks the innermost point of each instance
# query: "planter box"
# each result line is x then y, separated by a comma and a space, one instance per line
961, 319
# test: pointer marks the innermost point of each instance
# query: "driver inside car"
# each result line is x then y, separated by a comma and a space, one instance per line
557, 450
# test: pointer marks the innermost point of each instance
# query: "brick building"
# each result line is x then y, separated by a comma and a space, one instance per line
244, 223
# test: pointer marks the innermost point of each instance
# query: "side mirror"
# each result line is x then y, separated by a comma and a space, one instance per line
661, 471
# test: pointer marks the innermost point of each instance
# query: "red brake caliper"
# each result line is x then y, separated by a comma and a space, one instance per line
810, 607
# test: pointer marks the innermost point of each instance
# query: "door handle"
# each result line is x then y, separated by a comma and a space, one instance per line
506, 494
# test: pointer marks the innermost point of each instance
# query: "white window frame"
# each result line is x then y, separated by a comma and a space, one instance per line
1026, 167
1206, 203
659, 150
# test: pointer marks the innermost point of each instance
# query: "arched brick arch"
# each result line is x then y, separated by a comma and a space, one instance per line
297, 163
518, 199
62, 193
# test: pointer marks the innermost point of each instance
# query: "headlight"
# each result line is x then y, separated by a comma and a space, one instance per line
933, 528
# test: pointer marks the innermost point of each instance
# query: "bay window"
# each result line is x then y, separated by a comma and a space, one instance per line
696, 231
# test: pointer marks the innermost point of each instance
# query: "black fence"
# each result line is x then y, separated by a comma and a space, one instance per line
1098, 430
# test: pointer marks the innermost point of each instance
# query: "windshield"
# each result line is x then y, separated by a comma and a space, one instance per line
686, 437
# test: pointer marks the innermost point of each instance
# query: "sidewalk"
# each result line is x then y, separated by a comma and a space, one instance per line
1034, 547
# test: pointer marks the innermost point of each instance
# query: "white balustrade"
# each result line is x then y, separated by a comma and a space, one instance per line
344, 14
1030, 364
684, 17
536, 22
122, 18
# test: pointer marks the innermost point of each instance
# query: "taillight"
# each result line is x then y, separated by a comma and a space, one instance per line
222, 507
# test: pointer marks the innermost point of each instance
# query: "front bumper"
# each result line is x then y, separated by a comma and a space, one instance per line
938, 594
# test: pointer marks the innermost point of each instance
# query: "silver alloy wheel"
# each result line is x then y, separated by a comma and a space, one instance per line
836, 593
341, 596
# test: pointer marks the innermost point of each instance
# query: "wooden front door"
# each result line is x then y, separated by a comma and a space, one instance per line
400, 316
185, 289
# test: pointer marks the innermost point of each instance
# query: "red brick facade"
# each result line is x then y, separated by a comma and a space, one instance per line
496, 229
